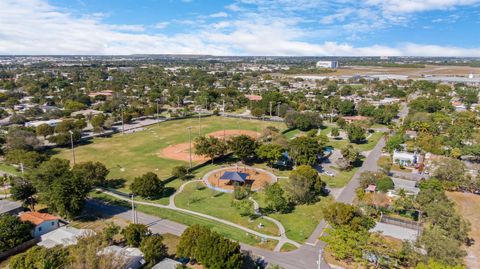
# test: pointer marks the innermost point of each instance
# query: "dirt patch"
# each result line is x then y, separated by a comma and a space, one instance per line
468, 205
230, 133
257, 178
181, 151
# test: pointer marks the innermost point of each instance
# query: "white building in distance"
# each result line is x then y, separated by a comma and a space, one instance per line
327, 64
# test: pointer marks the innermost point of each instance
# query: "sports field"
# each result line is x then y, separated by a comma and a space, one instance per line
130, 155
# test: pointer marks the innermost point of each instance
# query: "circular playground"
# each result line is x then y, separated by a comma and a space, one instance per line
225, 179
181, 152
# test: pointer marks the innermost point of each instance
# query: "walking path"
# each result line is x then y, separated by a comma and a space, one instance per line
282, 239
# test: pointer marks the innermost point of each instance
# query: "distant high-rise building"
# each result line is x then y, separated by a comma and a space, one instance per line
327, 64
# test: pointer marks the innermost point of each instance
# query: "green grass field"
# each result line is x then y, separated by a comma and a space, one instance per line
131, 155
187, 219
219, 204
9, 169
369, 145
302, 221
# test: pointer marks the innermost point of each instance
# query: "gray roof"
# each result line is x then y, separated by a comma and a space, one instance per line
8, 206
166, 264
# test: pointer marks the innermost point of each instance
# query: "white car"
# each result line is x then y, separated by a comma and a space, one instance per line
329, 173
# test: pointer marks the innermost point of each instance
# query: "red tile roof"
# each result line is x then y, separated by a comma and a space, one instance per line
36, 217
253, 97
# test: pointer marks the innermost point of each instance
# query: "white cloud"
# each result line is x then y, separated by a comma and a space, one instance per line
218, 15
408, 6
35, 27
127, 27
161, 25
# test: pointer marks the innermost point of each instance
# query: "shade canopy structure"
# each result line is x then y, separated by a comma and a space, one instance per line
234, 176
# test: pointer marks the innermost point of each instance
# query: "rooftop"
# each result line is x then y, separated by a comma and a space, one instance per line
36, 217
64, 236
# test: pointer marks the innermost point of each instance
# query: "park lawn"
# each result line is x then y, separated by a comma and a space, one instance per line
197, 197
293, 133
130, 155
287, 247
340, 179
301, 222
369, 145
9, 169
468, 205
188, 219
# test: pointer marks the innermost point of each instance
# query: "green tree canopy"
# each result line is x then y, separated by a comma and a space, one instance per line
13, 231
147, 185
304, 185
304, 150
243, 146
135, 233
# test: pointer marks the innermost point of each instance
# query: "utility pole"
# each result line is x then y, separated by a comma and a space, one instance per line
73, 149
123, 123
199, 125
190, 145
133, 211
21, 169
157, 108
270, 108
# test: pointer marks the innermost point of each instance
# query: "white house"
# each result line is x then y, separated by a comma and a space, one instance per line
35, 124
404, 158
64, 236
43, 222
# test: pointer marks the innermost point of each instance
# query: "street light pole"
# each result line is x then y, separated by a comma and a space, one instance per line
133, 211
73, 149
123, 123
157, 108
190, 145
199, 125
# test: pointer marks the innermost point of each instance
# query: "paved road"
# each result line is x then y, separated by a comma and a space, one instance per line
369, 164
281, 239
303, 258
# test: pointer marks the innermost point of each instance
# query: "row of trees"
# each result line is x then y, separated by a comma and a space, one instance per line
61, 187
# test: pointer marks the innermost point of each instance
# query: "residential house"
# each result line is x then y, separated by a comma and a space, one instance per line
405, 158
351, 119
64, 236
132, 258
43, 222
167, 264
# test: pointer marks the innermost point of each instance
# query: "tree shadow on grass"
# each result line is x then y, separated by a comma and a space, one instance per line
115, 183
167, 192
218, 194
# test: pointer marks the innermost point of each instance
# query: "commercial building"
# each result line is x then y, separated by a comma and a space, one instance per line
326, 64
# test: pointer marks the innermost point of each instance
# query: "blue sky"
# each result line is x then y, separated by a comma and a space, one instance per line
242, 27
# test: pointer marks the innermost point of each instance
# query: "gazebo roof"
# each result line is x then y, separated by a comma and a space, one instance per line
234, 176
